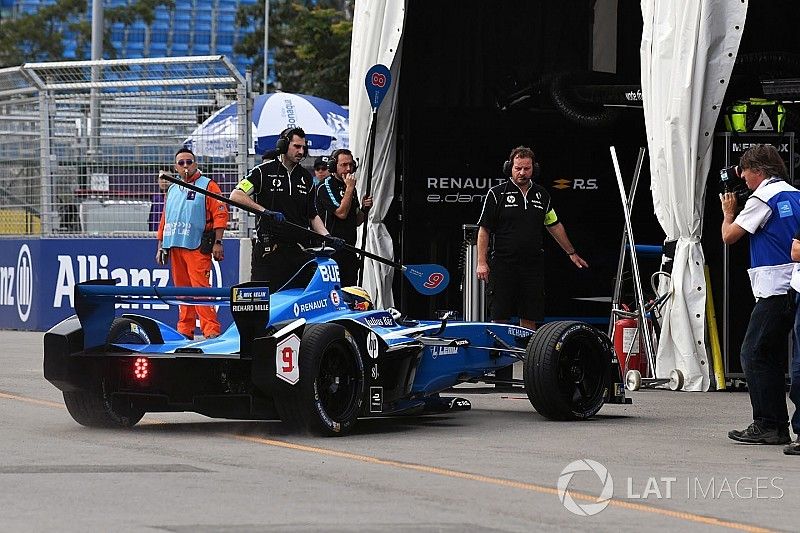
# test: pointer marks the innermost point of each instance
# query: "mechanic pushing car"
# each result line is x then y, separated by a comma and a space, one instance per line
281, 189
510, 254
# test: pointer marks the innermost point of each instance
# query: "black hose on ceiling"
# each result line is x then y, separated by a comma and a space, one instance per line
566, 100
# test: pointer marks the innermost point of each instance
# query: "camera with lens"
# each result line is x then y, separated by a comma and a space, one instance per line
730, 181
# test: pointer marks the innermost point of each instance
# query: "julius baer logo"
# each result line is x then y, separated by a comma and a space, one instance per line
587, 472
16, 284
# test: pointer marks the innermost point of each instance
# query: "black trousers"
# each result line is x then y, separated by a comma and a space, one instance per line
348, 267
516, 289
763, 355
276, 264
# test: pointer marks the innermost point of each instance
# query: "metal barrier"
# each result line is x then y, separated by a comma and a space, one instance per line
82, 142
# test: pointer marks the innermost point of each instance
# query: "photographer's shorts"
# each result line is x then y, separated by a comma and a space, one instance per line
516, 289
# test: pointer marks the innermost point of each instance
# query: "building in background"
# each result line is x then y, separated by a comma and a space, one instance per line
190, 28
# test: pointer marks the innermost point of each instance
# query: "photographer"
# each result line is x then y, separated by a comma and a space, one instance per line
771, 215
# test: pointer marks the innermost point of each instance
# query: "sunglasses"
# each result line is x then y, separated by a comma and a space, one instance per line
185, 162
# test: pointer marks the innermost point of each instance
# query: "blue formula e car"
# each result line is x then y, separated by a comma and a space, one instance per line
308, 357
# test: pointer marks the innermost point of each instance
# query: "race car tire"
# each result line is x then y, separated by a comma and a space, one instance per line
330, 393
565, 369
96, 409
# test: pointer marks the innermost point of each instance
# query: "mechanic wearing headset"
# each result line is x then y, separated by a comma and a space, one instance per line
340, 210
282, 190
512, 219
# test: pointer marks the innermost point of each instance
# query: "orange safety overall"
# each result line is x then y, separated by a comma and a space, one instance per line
192, 268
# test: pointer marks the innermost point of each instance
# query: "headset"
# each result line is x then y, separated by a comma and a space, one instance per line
282, 144
333, 160
537, 170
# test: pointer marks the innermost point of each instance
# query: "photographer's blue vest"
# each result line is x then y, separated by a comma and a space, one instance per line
185, 213
773, 244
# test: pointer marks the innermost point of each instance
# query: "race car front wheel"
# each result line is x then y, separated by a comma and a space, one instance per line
565, 369
328, 398
96, 408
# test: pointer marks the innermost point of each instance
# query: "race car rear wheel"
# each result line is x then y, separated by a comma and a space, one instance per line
565, 369
96, 409
328, 398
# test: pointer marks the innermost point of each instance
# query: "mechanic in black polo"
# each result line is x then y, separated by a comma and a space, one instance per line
341, 211
512, 219
282, 190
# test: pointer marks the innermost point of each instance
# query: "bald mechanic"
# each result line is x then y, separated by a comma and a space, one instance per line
187, 216
510, 254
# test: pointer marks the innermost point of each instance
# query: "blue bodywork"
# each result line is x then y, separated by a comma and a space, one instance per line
318, 300
384, 363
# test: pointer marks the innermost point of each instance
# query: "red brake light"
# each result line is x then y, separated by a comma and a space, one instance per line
141, 368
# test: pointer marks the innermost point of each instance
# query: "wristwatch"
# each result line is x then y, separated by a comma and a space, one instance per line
218, 241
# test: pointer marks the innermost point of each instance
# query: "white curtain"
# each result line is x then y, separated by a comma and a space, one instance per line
377, 34
688, 50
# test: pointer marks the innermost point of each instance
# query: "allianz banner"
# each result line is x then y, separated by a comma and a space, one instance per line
38, 276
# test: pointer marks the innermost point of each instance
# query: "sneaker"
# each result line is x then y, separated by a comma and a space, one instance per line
212, 336
755, 434
793, 448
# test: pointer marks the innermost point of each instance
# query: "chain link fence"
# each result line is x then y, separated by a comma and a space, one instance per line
82, 142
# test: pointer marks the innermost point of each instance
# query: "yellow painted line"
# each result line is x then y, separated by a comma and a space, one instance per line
435, 470
34, 401
57, 405
532, 487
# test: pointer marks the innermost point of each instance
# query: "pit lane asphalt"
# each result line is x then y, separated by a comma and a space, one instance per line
494, 468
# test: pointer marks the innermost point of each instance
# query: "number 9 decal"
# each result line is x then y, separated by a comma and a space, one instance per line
434, 280
288, 359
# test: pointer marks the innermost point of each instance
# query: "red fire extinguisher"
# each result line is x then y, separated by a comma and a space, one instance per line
629, 345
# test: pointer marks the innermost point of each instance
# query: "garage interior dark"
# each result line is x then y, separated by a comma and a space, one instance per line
478, 78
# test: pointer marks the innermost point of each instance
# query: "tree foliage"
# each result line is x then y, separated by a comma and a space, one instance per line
310, 43
40, 36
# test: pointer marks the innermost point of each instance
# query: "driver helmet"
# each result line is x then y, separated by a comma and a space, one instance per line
357, 298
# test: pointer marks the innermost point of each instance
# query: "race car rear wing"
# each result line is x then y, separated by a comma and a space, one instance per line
95, 303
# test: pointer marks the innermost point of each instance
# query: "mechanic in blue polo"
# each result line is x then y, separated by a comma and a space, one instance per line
282, 190
510, 254
771, 215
